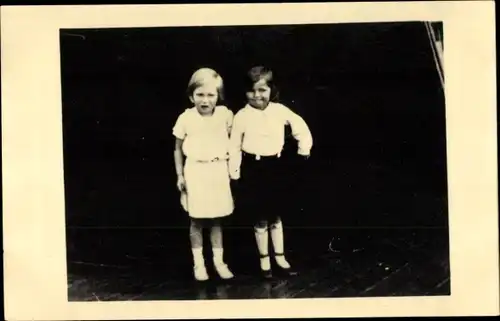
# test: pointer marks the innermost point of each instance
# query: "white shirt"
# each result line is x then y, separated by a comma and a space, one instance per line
205, 137
262, 132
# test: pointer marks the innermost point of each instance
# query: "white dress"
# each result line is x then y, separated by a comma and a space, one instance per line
206, 147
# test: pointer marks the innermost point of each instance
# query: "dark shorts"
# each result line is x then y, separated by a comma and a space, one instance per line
262, 188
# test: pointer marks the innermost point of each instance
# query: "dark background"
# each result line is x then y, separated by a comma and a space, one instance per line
370, 93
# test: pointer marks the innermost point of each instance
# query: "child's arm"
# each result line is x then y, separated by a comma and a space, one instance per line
235, 140
179, 164
229, 121
180, 133
300, 132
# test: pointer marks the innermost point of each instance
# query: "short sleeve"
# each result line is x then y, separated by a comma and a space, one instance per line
179, 129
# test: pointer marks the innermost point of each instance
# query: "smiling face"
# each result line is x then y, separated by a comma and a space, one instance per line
205, 98
260, 95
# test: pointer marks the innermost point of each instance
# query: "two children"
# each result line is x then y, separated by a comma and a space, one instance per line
248, 147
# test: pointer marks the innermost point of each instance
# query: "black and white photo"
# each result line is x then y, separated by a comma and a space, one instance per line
248, 162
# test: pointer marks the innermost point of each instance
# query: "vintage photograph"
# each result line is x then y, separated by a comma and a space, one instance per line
255, 162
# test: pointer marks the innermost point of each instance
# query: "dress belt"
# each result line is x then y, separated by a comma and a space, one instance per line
259, 157
213, 160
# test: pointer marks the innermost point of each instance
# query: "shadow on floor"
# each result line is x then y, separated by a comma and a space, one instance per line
155, 264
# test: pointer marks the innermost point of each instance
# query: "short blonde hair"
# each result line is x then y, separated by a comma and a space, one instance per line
203, 76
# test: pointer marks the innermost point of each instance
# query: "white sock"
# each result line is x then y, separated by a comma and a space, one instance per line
265, 263
218, 255
281, 261
198, 256
278, 244
262, 239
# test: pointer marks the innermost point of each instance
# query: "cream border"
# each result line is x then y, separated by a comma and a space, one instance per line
34, 238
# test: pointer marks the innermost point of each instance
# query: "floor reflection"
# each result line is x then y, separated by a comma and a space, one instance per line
388, 264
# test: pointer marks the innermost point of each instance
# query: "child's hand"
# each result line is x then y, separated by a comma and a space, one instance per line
234, 175
303, 155
181, 183
302, 162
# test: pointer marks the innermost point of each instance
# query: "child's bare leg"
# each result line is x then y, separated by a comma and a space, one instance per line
195, 233
216, 238
262, 239
196, 239
277, 238
216, 234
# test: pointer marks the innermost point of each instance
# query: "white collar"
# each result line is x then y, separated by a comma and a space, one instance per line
270, 105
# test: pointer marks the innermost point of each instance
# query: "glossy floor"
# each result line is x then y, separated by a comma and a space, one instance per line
155, 264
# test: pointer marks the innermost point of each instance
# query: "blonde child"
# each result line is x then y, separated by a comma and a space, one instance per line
202, 136
257, 140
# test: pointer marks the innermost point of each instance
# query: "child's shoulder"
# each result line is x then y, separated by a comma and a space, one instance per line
242, 111
224, 112
279, 105
187, 111
185, 115
282, 108
224, 108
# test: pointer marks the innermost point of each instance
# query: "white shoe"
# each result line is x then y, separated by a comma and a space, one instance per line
223, 271
200, 273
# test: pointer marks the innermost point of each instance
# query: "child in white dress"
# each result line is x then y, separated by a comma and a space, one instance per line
257, 140
202, 136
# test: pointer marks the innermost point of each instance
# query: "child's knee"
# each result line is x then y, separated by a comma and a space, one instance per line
276, 223
261, 224
216, 222
196, 223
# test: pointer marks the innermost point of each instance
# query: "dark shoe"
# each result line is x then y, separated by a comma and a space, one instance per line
285, 271
266, 274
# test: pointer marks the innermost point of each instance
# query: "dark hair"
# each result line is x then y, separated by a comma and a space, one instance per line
258, 73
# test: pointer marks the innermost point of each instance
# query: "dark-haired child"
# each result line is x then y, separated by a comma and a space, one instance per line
257, 140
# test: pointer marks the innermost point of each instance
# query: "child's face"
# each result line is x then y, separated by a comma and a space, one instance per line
205, 98
260, 94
